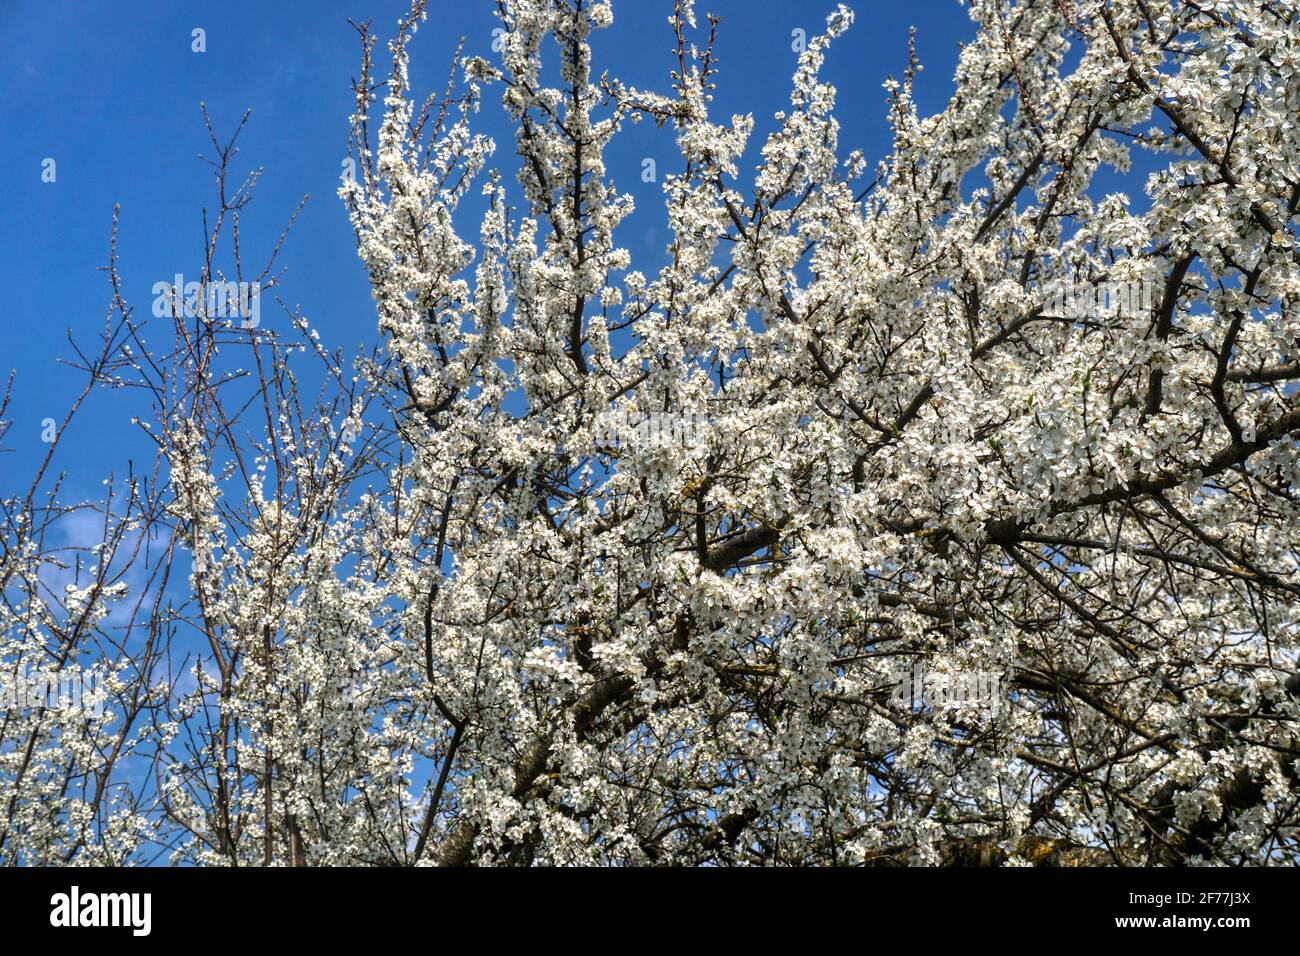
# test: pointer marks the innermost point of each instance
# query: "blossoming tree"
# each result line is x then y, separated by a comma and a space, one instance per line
587, 565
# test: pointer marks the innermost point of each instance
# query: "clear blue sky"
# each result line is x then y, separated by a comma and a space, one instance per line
111, 92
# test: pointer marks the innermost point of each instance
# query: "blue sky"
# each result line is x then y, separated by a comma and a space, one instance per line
111, 93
